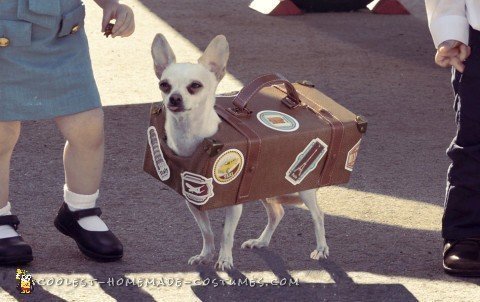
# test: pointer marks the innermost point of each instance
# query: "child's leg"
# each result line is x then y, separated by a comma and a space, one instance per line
9, 133
462, 207
461, 219
83, 160
84, 151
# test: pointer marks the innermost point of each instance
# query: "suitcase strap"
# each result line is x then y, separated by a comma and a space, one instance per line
251, 89
336, 136
253, 151
336, 139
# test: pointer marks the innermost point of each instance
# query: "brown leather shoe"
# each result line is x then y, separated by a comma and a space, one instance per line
462, 257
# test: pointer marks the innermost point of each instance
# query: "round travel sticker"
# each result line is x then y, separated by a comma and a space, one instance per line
228, 166
277, 120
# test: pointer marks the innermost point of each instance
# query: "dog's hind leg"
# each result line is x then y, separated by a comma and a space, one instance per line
208, 249
275, 213
309, 197
232, 216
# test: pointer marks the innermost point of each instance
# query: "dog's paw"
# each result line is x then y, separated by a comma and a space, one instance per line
252, 243
224, 263
200, 259
320, 253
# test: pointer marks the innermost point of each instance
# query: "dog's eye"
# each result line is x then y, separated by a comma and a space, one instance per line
194, 87
165, 87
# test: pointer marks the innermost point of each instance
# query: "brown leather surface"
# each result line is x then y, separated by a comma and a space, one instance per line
337, 128
335, 145
253, 150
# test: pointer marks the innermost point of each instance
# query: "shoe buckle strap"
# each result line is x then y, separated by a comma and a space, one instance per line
77, 215
11, 220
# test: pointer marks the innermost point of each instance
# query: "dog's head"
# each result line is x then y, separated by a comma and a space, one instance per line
188, 87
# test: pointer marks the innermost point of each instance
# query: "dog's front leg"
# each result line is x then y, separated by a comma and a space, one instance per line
208, 249
309, 197
232, 216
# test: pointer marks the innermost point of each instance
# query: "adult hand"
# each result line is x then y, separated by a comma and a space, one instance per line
452, 53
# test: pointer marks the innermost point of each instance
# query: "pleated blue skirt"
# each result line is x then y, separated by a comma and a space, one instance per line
45, 67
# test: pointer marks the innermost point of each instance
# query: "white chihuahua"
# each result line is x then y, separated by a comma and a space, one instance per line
188, 91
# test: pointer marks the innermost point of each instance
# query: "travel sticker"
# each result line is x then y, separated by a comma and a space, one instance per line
352, 156
277, 120
197, 189
228, 166
306, 161
159, 162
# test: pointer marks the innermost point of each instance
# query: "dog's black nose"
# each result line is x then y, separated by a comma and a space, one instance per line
175, 99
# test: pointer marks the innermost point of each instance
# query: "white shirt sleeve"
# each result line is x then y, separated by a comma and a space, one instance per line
447, 20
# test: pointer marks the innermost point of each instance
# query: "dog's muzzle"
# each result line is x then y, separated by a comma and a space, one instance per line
175, 103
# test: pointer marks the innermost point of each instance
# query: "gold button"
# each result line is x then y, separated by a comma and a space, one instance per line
4, 42
75, 29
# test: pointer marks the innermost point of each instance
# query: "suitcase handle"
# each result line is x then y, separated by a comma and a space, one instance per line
251, 89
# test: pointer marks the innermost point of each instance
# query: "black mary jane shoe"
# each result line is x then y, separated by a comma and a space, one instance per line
101, 246
462, 257
13, 250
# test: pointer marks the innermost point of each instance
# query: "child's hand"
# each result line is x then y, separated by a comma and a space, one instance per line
452, 53
123, 15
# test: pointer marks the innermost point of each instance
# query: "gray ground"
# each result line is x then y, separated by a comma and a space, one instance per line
383, 228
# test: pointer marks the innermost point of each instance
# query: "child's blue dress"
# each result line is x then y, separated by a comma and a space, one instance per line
45, 67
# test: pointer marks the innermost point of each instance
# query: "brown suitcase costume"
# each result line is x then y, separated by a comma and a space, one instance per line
275, 138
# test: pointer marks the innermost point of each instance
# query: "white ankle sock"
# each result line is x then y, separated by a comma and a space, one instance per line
77, 202
6, 231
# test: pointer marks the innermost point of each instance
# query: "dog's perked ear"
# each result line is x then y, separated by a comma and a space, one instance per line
215, 56
162, 54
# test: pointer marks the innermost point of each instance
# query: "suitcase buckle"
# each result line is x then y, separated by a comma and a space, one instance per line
361, 124
156, 109
306, 83
289, 103
239, 112
213, 148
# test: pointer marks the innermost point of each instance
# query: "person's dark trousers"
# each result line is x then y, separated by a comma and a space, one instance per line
461, 218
